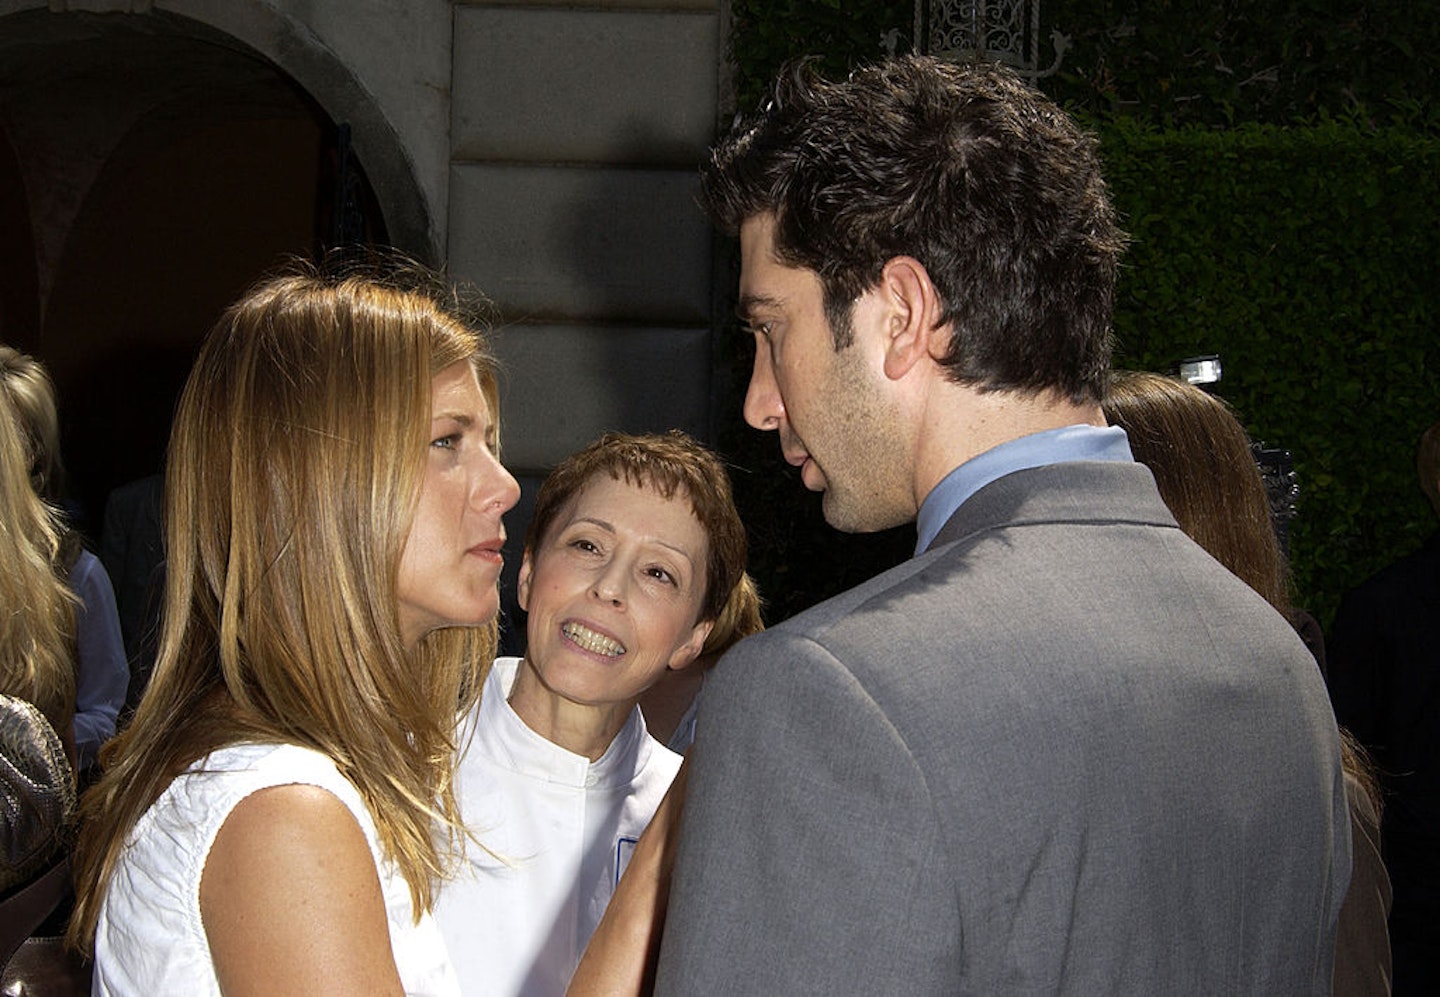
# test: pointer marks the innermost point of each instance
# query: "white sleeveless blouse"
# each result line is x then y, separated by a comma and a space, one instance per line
150, 941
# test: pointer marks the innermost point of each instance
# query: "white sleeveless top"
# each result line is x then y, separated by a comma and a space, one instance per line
150, 941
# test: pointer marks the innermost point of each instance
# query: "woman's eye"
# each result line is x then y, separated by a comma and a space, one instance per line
584, 545
447, 442
660, 574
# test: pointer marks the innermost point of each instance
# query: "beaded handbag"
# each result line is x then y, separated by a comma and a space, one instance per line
37, 792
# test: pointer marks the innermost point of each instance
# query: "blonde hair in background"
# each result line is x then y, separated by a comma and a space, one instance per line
33, 394
1206, 472
37, 610
294, 467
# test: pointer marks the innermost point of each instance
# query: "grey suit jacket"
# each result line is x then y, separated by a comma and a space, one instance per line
1062, 751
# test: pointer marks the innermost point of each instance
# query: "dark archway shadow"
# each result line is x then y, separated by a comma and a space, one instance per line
19, 282
164, 168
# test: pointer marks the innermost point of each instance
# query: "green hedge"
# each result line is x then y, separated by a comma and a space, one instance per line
838, 33
1216, 62
1219, 62
1307, 258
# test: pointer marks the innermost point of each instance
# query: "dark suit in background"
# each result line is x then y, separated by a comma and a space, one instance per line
1384, 674
132, 548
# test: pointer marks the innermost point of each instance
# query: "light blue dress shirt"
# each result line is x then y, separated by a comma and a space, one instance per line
1053, 446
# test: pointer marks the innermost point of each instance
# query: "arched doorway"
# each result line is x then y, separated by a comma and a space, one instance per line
162, 166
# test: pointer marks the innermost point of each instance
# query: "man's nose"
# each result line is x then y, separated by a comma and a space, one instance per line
763, 406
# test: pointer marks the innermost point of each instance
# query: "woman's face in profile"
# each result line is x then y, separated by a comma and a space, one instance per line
451, 563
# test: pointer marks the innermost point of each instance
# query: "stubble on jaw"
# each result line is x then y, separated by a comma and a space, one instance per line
867, 486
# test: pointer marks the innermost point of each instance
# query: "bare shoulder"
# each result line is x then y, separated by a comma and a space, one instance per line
291, 900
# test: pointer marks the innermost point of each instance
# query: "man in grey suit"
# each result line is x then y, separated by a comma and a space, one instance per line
1060, 750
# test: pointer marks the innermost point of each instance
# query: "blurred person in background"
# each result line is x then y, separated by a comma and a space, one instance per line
1385, 684
102, 673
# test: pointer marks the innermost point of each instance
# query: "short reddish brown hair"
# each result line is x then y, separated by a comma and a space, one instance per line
667, 462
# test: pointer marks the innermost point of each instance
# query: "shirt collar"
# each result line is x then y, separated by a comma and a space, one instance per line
510, 739
1051, 446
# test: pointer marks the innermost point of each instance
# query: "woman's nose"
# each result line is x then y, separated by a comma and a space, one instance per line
495, 486
610, 585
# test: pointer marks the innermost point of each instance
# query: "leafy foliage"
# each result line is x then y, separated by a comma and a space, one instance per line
839, 33
1276, 61
1214, 62
1306, 258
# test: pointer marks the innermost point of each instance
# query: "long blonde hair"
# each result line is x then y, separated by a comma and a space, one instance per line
32, 392
294, 466
37, 610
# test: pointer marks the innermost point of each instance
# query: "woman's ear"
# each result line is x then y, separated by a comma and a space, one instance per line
523, 589
687, 652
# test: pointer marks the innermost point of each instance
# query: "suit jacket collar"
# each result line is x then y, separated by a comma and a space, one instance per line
1075, 491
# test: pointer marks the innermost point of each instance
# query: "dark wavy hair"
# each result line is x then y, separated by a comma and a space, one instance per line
994, 189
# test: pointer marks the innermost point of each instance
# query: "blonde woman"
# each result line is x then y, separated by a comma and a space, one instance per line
37, 624
268, 822
102, 674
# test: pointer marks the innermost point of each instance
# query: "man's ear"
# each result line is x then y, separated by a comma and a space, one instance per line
914, 307
523, 589
687, 652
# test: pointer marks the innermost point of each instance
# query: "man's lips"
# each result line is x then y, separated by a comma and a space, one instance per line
798, 456
792, 448
800, 459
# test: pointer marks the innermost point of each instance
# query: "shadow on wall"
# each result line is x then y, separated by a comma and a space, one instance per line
602, 276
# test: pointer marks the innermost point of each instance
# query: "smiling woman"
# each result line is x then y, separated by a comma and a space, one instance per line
634, 550
613, 592
333, 504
